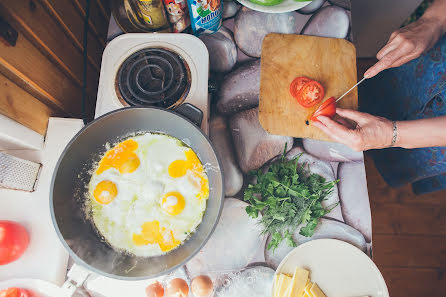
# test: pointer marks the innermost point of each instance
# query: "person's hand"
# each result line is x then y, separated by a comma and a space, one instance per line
370, 132
406, 44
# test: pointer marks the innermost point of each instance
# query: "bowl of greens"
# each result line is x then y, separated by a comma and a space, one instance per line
274, 6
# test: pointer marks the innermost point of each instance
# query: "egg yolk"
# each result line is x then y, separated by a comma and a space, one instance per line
105, 192
204, 187
179, 168
152, 233
173, 203
122, 157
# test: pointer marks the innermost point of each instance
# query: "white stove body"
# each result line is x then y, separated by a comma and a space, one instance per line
189, 47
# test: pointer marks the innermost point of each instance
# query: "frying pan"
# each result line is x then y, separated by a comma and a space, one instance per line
68, 188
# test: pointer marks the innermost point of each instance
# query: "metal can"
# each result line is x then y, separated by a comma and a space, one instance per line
205, 15
177, 14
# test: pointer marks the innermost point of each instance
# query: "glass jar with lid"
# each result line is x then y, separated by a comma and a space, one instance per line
141, 15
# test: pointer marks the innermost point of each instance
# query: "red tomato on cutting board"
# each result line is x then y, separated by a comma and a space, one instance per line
14, 240
308, 92
297, 84
16, 292
327, 108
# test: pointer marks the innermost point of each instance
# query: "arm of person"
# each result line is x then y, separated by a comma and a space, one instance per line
422, 133
372, 132
410, 42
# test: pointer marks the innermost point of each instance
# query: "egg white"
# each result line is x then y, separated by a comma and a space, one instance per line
140, 193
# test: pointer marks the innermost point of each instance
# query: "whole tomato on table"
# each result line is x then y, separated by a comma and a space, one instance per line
14, 240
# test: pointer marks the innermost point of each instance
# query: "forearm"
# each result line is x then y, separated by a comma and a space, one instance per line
437, 11
422, 133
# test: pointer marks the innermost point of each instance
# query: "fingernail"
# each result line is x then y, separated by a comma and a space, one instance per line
366, 74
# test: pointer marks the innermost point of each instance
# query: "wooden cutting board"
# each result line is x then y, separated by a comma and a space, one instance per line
330, 61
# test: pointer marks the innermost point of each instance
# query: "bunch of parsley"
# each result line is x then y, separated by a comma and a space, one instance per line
287, 195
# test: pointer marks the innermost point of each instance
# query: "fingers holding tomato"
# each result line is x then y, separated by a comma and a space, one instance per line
327, 109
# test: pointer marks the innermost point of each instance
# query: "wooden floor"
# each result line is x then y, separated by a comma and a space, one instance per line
409, 237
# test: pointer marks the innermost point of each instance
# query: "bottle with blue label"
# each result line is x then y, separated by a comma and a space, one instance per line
205, 15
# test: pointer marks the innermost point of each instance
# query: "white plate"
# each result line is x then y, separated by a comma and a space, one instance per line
339, 268
285, 6
43, 288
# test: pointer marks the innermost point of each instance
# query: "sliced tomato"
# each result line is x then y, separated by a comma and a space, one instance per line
327, 108
14, 240
310, 94
297, 84
15, 292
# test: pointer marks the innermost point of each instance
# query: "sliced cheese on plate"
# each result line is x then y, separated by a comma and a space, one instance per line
307, 289
299, 281
316, 291
285, 284
278, 279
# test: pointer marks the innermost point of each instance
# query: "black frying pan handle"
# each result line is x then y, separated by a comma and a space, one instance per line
194, 114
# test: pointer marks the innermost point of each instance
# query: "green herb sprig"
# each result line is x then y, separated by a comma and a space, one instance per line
287, 195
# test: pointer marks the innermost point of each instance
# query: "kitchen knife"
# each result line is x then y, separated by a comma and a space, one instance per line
351, 89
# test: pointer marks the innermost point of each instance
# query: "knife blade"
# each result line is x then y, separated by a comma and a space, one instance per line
351, 89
